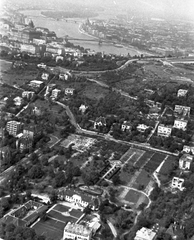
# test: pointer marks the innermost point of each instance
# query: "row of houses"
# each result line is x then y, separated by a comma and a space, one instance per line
181, 113
126, 126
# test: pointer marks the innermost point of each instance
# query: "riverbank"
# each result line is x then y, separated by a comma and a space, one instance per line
128, 47
71, 28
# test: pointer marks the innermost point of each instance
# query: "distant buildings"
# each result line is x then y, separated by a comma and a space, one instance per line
164, 131
14, 127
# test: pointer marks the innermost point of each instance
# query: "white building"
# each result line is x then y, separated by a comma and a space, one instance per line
145, 234
45, 76
185, 161
188, 149
180, 124
126, 126
182, 93
142, 127
78, 199
28, 94
69, 91
77, 231
55, 93
83, 108
177, 183
164, 131
18, 101
36, 83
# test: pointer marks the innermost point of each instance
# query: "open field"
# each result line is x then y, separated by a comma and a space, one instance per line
167, 166
154, 162
13, 76
132, 196
142, 180
50, 228
143, 159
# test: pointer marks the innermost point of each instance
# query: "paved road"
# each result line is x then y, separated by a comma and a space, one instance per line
109, 137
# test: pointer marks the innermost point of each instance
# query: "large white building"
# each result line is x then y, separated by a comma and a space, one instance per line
180, 124
164, 131
14, 127
36, 83
145, 234
77, 231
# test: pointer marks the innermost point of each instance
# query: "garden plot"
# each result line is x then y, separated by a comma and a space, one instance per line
79, 143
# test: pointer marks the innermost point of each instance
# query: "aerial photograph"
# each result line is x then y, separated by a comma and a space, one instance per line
97, 120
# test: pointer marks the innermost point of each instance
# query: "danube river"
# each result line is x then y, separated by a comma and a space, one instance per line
71, 29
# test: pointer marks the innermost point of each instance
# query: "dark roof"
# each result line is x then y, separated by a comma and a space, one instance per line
101, 119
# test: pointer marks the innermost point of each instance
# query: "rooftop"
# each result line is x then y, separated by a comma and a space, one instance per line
77, 229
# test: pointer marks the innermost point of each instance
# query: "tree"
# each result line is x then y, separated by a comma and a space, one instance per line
35, 172
116, 180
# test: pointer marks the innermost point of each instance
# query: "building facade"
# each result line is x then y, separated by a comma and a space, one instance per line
180, 124
164, 131
77, 231
14, 128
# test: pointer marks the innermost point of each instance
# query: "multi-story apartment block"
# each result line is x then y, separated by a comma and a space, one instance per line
164, 131
14, 127
55, 93
180, 124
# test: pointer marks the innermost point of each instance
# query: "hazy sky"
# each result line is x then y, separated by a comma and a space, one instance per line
176, 8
